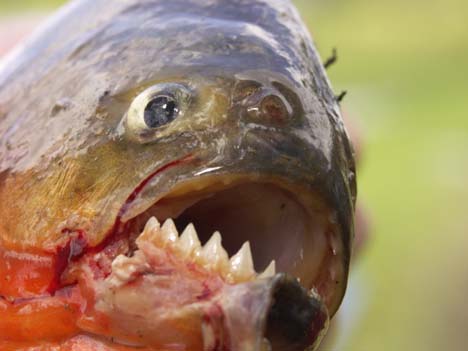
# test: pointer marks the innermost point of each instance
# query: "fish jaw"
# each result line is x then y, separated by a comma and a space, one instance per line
173, 295
130, 275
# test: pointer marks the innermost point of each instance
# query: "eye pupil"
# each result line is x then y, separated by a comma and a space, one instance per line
159, 111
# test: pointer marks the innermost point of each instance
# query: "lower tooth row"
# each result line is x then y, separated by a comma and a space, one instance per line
212, 255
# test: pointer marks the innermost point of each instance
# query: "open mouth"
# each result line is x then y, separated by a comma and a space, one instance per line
218, 261
263, 221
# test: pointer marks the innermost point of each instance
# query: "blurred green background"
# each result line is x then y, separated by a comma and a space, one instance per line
405, 66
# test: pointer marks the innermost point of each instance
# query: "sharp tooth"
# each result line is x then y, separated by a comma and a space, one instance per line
169, 231
213, 253
151, 225
269, 272
188, 241
150, 232
241, 263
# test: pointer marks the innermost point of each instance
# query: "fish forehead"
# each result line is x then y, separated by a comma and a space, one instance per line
173, 27
135, 40
141, 40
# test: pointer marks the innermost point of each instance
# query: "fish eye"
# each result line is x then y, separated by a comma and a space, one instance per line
155, 108
160, 110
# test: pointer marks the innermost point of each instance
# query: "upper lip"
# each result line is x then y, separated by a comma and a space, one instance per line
295, 243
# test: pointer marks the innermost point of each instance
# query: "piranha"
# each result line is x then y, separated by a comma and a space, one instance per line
174, 175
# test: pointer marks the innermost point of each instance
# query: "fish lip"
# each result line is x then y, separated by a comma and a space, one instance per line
133, 195
339, 288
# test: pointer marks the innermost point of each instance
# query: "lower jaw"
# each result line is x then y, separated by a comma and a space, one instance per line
285, 318
306, 268
173, 293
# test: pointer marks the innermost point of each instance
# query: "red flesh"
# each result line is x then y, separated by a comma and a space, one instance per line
36, 302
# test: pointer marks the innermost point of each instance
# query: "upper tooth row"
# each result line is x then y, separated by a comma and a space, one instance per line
212, 255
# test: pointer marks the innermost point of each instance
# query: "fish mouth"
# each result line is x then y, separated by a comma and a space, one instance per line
278, 227
220, 240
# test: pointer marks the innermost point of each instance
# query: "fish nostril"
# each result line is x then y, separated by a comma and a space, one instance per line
270, 108
273, 108
263, 103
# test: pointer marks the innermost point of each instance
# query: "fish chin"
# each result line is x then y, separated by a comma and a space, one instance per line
173, 291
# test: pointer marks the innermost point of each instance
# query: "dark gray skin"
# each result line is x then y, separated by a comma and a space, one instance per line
260, 107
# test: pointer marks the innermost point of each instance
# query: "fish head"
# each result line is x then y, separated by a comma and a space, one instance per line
167, 124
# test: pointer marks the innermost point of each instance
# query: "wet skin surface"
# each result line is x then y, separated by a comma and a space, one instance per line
258, 105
